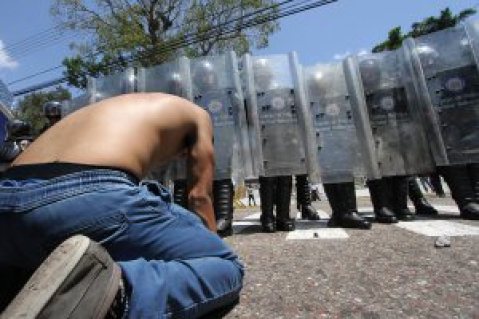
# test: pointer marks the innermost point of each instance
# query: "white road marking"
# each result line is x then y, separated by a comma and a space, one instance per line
248, 221
446, 209
306, 229
440, 208
435, 228
316, 229
366, 209
254, 216
316, 233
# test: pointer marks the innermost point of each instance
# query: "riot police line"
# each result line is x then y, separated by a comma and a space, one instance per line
386, 116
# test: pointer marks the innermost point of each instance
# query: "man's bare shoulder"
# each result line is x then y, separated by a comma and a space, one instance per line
160, 105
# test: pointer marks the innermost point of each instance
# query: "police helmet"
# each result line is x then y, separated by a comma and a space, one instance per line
316, 81
204, 76
428, 55
173, 82
370, 70
52, 109
263, 74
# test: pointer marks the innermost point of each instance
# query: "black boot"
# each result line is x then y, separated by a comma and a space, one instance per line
398, 186
342, 199
283, 200
435, 180
474, 175
223, 206
299, 193
380, 199
420, 202
266, 195
334, 198
303, 196
180, 196
459, 182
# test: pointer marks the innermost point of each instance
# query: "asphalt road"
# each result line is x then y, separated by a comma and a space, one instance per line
391, 271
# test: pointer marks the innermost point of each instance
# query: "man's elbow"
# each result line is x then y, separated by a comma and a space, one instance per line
197, 199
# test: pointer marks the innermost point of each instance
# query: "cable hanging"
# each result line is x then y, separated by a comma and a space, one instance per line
223, 30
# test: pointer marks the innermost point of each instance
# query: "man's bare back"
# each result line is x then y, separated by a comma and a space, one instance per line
135, 132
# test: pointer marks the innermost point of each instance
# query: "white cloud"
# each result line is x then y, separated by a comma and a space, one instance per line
340, 56
6, 62
363, 52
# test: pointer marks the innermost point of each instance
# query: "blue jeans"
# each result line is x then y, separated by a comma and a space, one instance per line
173, 264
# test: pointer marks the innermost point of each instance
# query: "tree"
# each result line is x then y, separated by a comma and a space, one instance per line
149, 32
394, 41
431, 24
31, 106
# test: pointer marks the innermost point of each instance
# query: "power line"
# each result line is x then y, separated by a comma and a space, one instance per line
250, 23
51, 37
36, 74
34, 49
185, 43
33, 37
166, 48
39, 86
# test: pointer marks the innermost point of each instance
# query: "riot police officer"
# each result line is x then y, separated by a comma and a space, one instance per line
387, 102
336, 141
219, 98
52, 110
279, 148
447, 77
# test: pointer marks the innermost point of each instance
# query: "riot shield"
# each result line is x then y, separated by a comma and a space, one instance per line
400, 146
278, 116
6, 117
338, 151
6, 97
8, 148
447, 77
172, 78
111, 85
75, 104
216, 88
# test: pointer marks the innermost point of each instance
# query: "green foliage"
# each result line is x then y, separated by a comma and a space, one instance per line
150, 32
31, 106
445, 20
394, 41
78, 68
204, 16
430, 24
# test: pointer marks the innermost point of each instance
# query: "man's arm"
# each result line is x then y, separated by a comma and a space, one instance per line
201, 170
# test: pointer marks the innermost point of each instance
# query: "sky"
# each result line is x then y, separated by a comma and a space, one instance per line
321, 35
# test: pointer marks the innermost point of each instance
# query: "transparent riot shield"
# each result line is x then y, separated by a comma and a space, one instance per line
6, 97
6, 117
216, 88
447, 77
278, 115
75, 104
112, 85
338, 151
400, 146
8, 148
171, 78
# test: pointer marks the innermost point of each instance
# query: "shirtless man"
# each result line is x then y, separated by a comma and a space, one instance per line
81, 177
